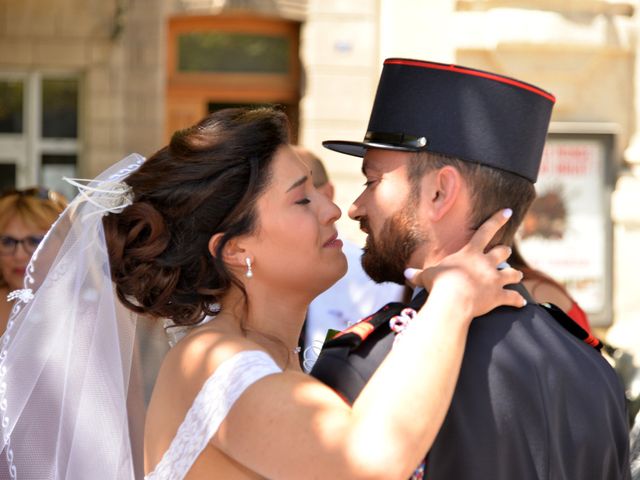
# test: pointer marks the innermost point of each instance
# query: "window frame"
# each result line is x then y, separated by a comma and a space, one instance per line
283, 88
27, 148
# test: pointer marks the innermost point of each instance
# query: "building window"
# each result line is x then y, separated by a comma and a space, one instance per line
53, 167
233, 53
231, 59
11, 106
38, 129
59, 108
7, 176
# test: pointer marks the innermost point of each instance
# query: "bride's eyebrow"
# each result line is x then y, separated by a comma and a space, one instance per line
297, 183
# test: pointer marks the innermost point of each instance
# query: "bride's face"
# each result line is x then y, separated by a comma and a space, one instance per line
296, 246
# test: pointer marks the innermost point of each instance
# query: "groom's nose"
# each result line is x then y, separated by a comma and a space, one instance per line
355, 210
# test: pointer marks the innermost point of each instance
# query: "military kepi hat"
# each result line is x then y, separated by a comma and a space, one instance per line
469, 114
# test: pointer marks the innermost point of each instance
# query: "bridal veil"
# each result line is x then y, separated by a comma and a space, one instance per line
66, 407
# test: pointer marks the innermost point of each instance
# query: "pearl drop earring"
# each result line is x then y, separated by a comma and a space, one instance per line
249, 273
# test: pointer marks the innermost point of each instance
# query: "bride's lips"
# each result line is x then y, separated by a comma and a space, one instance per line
333, 242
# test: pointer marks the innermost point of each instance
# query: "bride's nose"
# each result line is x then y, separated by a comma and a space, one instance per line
330, 212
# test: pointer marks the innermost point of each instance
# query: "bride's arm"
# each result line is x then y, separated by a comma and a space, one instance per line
292, 426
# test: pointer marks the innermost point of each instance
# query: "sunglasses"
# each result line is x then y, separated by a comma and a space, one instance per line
8, 245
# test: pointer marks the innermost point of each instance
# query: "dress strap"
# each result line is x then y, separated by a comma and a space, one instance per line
209, 409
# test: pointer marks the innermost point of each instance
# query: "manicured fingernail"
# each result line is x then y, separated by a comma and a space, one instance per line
409, 273
503, 265
507, 212
524, 303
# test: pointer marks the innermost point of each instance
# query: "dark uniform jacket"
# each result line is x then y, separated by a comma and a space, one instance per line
533, 401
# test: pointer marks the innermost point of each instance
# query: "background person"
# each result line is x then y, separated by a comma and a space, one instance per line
25, 217
352, 297
635, 449
544, 289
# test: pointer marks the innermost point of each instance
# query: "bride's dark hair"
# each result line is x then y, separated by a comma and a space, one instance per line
206, 181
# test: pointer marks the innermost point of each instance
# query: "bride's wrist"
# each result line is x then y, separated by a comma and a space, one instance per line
455, 305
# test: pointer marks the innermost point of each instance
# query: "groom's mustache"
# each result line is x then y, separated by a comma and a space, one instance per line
364, 225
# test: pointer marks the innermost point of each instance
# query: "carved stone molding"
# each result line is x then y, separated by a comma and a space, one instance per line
595, 7
290, 9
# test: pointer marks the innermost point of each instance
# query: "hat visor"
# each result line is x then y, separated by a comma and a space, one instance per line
358, 149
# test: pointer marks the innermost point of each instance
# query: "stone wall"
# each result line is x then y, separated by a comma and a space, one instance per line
114, 49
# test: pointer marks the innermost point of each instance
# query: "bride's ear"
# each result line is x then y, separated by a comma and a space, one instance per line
233, 253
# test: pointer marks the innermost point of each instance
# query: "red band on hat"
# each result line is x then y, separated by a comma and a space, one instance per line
468, 71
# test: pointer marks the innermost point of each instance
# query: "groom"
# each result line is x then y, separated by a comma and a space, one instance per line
446, 147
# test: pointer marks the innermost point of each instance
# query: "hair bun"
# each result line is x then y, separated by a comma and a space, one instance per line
136, 238
206, 182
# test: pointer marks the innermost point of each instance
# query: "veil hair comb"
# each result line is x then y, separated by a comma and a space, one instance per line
66, 408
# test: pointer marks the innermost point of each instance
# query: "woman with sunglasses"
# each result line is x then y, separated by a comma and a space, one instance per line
25, 216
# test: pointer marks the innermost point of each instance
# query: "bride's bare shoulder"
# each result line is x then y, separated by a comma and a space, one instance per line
197, 356
183, 372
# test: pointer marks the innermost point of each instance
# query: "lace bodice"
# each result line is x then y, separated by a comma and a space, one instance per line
209, 409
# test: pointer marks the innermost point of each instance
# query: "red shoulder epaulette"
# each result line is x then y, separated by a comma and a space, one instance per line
358, 332
571, 326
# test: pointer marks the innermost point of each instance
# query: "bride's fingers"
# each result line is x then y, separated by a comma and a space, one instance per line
413, 276
510, 276
488, 229
513, 299
499, 254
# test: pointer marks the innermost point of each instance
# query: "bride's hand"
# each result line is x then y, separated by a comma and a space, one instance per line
470, 276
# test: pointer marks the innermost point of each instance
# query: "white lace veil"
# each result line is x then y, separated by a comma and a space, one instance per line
66, 356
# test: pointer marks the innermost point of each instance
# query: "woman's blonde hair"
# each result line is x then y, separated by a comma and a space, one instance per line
37, 207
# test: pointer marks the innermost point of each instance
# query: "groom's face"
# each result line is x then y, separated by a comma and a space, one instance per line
388, 214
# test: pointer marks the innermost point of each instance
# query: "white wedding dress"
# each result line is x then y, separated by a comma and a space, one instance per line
209, 409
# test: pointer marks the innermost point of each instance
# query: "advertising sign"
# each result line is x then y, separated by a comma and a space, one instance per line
567, 231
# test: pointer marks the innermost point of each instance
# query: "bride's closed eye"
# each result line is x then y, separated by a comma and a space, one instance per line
304, 201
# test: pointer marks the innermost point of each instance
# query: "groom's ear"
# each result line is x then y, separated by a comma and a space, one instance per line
440, 190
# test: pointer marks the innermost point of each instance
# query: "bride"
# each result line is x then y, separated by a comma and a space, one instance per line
222, 233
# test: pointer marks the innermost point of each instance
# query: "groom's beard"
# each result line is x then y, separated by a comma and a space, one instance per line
387, 254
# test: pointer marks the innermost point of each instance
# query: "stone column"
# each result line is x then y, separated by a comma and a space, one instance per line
626, 216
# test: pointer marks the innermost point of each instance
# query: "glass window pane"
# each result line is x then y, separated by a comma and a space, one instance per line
59, 108
11, 103
224, 52
54, 167
7, 176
